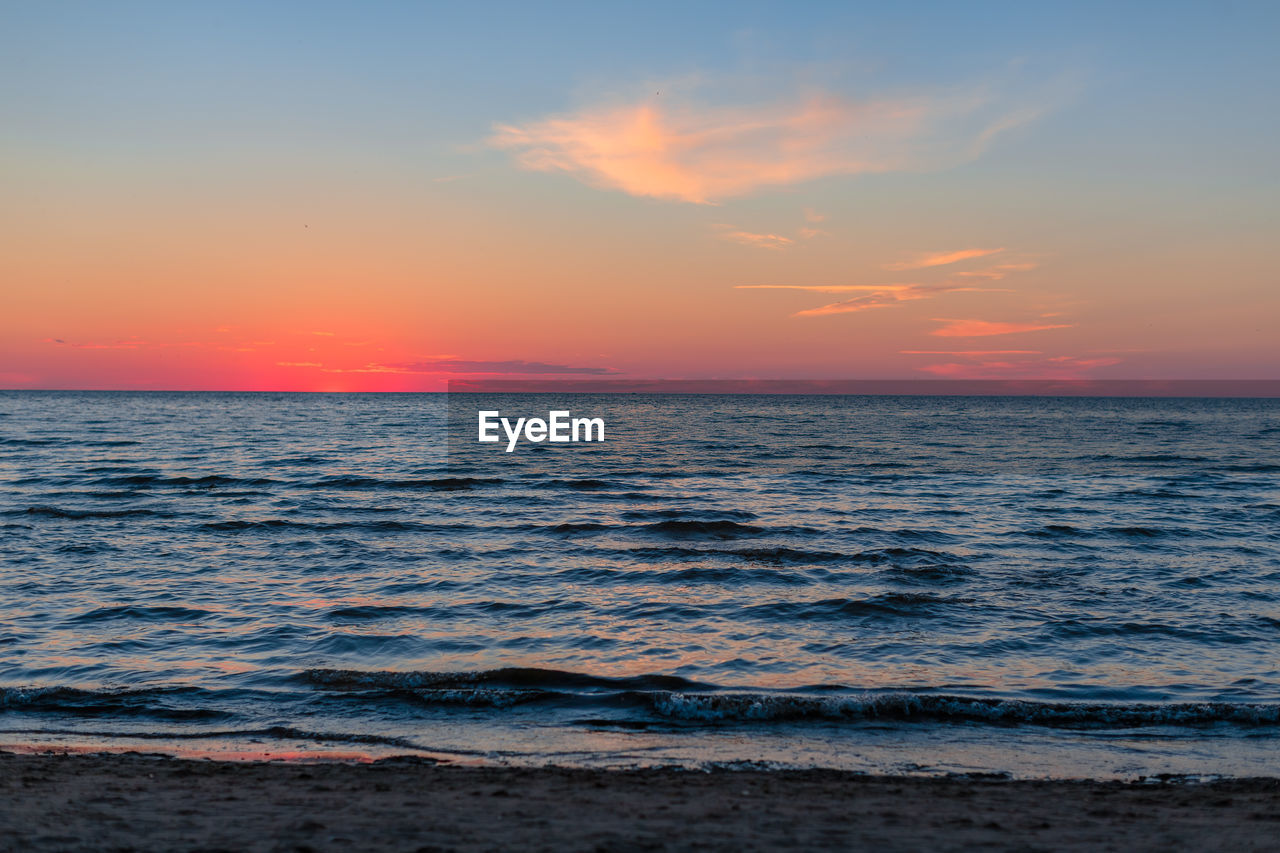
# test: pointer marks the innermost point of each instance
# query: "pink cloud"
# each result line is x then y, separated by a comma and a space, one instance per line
938, 259
516, 367
761, 241
867, 296
675, 148
1058, 367
130, 344
998, 271
829, 288
984, 328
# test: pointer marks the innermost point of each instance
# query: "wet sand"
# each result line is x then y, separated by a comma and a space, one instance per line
131, 801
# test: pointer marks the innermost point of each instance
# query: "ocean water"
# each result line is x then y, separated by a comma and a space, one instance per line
1023, 585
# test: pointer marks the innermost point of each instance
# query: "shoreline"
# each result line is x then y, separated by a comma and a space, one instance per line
95, 801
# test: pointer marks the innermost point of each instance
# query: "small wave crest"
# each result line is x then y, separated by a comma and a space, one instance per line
932, 708
521, 677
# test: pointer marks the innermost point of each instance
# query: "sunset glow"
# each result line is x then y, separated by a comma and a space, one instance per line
298, 201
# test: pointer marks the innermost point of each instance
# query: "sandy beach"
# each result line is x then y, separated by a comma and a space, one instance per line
132, 801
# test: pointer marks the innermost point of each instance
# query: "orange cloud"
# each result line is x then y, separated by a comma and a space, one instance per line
937, 259
998, 271
701, 153
869, 295
1058, 367
848, 306
984, 328
762, 241
496, 368
829, 288
129, 344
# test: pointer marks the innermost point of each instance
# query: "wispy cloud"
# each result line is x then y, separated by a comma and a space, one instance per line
702, 152
827, 288
766, 240
884, 295
970, 352
985, 328
1057, 367
496, 368
997, 272
867, 296
938, 259
129, 344
761, 241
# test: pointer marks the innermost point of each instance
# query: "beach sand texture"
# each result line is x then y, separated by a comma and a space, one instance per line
138, 802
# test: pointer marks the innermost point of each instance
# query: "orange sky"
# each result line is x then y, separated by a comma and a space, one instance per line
1011, 223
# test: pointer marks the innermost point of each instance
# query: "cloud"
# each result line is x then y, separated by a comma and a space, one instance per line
498, 368
765, 241
969, 352
998, 271
868, 295
884, 295
937, 259
984, 328
762, 241
130, 344
847, 306
811, 215
827, 288
702, 152
1057, 367
298, 364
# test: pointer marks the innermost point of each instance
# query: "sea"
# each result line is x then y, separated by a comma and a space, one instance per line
1013, 586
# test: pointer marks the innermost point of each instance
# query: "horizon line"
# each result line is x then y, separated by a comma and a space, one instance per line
1205, 388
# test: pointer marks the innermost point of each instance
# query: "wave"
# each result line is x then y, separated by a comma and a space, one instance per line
933, 708
897, 605
143, 481
521, 677
446, 484
687, 529
676, 529
143, 614
660, 698
273, 732
179, 704
78, 514
585, 484
628, 701
689, 515
385, 526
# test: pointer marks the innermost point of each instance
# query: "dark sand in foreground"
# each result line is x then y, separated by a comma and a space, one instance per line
118, 802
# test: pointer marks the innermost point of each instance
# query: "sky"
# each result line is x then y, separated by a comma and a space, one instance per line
389, 196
